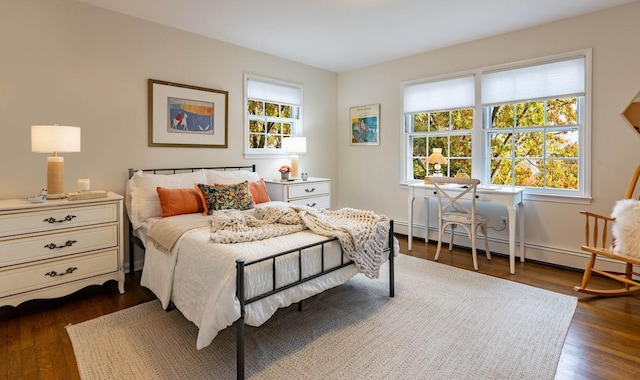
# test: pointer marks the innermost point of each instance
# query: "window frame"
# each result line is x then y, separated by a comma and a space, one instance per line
546, 128
296, 124
480, 156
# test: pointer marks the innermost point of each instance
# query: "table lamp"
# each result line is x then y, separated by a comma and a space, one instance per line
294, 145
55, 139
438, 159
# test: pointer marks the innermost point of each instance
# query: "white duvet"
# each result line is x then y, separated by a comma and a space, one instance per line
199, 276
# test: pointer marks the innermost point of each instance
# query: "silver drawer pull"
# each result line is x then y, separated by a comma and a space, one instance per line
311, 190
56, 274
312, 205
69, 243
52, 220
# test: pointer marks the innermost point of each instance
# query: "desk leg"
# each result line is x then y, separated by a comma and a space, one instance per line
512, 238
410, 216
521, 228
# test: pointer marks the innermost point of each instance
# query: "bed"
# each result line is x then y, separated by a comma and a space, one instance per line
211, 266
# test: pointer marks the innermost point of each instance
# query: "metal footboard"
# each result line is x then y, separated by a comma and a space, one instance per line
241, 265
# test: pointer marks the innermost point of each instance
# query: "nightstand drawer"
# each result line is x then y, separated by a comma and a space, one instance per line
47, 246
317, 202
316, 192
32, 277
20, 223
309, 190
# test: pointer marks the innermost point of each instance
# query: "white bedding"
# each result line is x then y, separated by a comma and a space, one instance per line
199, 276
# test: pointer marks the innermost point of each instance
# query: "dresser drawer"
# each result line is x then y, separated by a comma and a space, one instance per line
317, 202
47, 246
311, 189
51, 219
41, 275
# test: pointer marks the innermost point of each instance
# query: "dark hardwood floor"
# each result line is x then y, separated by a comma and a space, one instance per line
603, 341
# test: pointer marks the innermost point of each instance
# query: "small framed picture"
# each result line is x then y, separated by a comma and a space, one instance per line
187, 116
365, 125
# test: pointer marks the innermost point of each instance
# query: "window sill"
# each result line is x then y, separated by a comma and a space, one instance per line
579, 200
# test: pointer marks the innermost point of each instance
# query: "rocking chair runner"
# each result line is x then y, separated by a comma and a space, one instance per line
598, 242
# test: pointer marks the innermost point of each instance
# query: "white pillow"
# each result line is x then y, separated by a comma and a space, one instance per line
230, 177
142, 196
626, 228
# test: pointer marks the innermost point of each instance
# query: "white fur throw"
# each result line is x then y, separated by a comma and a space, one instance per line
626, 227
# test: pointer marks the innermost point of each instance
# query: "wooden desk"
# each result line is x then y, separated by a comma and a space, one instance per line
507, 196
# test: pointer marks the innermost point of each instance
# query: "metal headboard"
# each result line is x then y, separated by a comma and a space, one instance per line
187, 170
134, 240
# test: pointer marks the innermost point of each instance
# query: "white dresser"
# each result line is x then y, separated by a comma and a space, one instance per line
315, 192
55, 248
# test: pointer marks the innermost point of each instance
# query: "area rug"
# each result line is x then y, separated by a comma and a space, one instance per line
444, 323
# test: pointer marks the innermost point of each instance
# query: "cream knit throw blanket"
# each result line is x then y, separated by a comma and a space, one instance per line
362, 234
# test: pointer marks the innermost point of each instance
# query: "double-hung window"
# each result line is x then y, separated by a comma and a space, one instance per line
522, 125
273, 111
439, 114
533, 117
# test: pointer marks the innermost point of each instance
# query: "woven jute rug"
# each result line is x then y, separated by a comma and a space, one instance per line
444, 323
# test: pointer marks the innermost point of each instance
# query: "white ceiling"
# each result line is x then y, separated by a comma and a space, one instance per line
340, 35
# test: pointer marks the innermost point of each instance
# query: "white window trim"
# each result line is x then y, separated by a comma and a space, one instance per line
479, 136
296, 131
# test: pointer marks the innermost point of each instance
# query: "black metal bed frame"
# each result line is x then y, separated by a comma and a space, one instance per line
241, 265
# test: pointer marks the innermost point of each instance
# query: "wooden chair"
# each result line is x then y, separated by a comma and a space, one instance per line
598, 242
453, 212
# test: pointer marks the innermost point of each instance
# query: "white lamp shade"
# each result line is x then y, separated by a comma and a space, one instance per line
294, 144
54, 138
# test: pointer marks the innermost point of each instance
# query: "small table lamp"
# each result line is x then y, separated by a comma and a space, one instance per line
294, 145
438, 159
55, 139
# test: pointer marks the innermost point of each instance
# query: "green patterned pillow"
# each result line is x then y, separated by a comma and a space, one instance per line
222, 197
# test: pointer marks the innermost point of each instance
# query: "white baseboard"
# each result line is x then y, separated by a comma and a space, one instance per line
542, 253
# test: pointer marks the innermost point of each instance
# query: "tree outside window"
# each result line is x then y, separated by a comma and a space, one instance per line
535, 144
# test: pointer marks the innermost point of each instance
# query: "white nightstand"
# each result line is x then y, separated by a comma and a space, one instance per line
57, 247
314, 192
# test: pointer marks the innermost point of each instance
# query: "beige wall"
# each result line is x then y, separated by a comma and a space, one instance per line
369, 176
70, 63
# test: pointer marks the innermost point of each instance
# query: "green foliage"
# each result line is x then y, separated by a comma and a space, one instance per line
269, 123
542, 156
448, 130
255, 107
533, 144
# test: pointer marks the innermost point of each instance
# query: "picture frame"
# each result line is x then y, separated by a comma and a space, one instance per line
365, 124
187, 116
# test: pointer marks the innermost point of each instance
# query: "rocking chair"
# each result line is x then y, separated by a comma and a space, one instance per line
599, 243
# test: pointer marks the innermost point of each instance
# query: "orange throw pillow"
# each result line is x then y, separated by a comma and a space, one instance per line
179, 201
258, 191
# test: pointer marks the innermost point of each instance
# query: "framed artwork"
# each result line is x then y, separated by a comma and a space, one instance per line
365, 125
187, 116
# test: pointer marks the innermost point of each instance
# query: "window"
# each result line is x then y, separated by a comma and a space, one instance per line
273, 111
531, 132
535, 143
439, 114
534, 117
